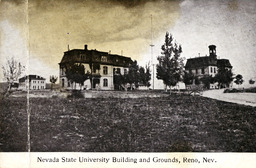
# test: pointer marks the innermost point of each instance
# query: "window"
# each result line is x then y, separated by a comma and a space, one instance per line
63, 82
105, 82
63, 71
125, 71
211, 69
104, 59
214, 70
82, 56
196, 71
202, 70
105, 70
118, 71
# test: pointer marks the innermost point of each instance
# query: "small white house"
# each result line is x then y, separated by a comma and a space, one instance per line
33, 82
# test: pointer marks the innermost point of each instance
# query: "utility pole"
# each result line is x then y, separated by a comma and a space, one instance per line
152, 63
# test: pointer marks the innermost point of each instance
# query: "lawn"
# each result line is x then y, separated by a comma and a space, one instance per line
174, 123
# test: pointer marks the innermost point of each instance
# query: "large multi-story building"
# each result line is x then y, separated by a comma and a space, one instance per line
101, 65
207, 65
34, 82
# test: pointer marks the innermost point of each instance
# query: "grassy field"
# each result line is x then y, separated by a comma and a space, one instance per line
175, 123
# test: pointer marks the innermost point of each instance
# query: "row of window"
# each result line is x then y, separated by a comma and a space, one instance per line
103, 58
212, 70
105, 83
34, 87
105, 71
115, 70
38, 81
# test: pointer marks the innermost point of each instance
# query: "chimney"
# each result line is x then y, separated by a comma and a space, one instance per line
109, 52
85, 47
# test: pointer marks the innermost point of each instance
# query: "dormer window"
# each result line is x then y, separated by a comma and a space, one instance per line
82, 56
104, 58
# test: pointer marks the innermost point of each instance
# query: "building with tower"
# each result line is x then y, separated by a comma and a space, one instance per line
207, 65
102, 67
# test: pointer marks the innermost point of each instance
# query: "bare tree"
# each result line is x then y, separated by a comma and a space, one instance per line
12, 71
53, 80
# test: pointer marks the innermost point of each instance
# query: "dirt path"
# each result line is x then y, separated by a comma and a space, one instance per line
239, 98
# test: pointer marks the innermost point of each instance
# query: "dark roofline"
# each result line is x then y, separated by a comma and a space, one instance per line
197, 57
97, 51
31, 77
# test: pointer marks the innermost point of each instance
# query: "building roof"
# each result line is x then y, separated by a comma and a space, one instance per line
87, 56
200, 62
31, 77
224, 63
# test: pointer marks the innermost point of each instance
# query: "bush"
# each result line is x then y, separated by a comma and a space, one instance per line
232, 91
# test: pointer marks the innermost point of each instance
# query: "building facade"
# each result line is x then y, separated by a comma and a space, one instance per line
207, 65
102, 66
34, 82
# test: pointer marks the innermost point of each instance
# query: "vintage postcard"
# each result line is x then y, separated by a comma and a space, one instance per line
127, 83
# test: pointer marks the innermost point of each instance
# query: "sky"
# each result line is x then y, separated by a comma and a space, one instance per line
37, 32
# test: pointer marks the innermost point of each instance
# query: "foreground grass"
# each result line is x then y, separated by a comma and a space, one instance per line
168, 124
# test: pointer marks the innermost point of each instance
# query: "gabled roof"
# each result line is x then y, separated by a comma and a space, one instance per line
31, 77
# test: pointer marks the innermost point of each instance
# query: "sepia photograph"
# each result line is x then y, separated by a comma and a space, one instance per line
128, 76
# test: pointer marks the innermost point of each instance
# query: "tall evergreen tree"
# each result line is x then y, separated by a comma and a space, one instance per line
170, 67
